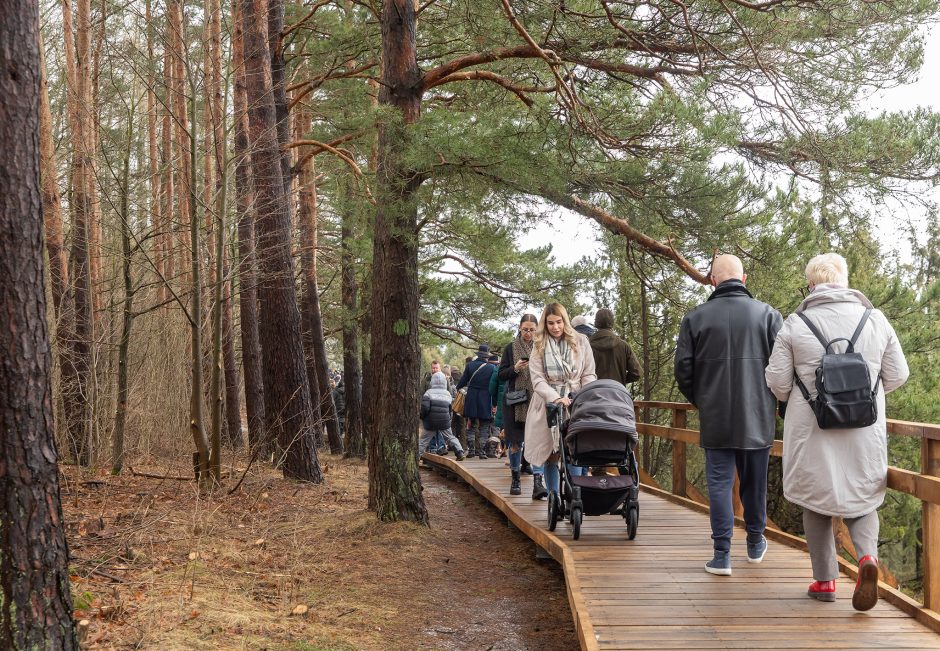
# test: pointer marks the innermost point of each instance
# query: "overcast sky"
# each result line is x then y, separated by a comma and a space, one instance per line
580, 234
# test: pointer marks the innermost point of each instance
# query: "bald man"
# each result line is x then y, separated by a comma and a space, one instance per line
723, 348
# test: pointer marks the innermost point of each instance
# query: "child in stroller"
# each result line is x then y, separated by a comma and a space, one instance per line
600, 432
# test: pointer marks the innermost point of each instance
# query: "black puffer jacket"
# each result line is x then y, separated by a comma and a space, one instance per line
724, 346
435, 405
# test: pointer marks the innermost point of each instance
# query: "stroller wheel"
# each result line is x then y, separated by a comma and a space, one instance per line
633, 519
552, 510
576, 522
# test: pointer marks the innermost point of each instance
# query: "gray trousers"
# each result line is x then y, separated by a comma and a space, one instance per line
822, 543
427, 435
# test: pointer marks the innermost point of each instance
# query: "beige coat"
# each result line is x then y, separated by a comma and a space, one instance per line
539, 443
836, 472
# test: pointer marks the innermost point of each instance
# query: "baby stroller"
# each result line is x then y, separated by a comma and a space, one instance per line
600, 432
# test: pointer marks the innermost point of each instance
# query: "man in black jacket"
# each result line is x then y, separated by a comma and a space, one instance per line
724, 346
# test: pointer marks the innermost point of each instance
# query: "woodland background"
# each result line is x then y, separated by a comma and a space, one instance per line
237, 198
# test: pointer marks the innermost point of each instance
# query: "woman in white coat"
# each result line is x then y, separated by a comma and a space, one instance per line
835, 472
562, 362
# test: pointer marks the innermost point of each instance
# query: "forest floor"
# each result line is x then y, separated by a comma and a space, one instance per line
283, 565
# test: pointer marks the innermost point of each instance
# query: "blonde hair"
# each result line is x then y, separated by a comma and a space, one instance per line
827, 268
541, 335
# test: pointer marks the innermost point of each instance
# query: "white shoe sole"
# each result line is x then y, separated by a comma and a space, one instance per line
757, 560
718, 571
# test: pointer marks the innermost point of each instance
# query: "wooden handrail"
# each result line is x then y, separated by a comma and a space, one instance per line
924, 485
898, 427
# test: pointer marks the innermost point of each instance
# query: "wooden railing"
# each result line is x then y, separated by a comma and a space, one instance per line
924, 486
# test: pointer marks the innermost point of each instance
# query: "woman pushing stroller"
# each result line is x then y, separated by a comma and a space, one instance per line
561, 363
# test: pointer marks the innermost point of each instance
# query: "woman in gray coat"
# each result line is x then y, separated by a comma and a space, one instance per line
835, 472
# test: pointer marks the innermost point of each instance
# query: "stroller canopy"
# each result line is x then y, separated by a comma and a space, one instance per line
602, 405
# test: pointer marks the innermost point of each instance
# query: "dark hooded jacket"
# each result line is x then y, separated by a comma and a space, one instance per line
613, 358
723, 348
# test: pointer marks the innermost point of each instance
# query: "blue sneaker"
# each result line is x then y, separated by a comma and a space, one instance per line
756, 551
720, 564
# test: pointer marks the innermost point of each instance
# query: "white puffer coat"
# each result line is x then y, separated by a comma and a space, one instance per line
836, 472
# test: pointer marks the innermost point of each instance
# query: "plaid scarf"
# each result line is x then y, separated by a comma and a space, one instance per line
559, 364
522, 349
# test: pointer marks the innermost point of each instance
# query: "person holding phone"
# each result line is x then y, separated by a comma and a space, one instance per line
514, 371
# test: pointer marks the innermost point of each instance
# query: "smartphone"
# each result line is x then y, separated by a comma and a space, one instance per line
524, 359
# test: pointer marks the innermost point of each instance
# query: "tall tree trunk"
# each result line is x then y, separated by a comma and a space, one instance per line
153, 162
120, 414
166, 258
368, 405
197, 423
275, 17
647, 383
77, 363
314, 346
394, 484
184, 175
90, 110
214, 193
352, 371
247, 262
52, 210
233, 416
288, 408
35, 598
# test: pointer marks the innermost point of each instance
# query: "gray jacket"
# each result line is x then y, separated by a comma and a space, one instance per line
838, 472
723, 348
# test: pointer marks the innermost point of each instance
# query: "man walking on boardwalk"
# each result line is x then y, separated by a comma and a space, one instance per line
724, 346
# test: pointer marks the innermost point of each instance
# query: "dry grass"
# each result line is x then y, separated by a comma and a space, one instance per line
226, 571
172, 569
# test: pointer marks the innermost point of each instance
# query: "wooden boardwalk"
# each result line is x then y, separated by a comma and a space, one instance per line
652, 593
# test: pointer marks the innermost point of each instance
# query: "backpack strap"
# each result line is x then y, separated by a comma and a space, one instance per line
858, 328
814, 330
802, 387
825, 344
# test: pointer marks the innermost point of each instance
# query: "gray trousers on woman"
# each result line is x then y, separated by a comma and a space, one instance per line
822, 544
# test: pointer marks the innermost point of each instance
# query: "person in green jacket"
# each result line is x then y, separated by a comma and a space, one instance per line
497, 391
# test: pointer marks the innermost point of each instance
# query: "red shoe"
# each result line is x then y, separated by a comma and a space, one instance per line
866, 588
822, 590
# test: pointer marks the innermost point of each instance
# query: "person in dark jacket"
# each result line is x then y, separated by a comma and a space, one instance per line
724, 346
514, 371
478, 407
613, 357
435, 416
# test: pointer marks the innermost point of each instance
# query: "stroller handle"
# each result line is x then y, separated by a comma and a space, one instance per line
556, 414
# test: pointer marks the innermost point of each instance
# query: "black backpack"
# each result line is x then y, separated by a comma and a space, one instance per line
844, 396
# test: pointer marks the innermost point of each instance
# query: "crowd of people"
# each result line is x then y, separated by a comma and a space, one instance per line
739, 363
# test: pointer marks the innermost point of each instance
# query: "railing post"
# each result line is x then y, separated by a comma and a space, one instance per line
678, 455
930, 465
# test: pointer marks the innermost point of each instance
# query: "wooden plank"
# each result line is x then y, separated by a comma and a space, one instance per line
930, 518
916, 430
921, 486
652, 592
678, 455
